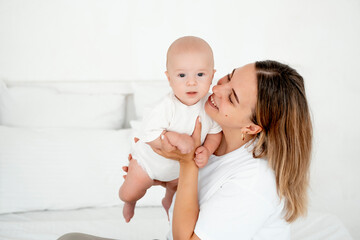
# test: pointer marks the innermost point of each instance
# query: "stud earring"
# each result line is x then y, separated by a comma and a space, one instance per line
242, 136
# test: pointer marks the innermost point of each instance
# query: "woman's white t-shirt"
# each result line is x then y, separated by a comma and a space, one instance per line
238, 199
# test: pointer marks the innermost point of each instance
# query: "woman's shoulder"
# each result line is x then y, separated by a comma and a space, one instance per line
266, 183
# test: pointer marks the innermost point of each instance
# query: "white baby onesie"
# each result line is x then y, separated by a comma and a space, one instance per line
171, 115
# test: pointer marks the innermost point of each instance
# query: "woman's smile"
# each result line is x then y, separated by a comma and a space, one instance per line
212, 102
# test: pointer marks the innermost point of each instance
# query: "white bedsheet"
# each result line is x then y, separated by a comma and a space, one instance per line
319, 226
148, 223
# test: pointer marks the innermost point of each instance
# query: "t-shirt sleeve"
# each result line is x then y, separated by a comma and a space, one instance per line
215, 127
156, 120
232, 213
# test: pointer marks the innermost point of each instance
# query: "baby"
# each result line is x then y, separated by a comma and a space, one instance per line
190, 70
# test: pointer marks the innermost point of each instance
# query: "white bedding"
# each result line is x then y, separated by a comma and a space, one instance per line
85, 167
148, 223
319, 226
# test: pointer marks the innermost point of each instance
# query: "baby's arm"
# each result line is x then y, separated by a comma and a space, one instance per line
203, 152
183, 142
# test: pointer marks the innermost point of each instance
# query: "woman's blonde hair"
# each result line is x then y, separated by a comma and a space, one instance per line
286, 139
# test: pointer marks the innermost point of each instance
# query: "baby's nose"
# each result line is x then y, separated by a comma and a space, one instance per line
191, 81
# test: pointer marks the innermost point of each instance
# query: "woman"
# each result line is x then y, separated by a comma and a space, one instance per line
256, 182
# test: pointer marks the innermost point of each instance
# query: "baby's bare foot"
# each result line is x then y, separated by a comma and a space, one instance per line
128, 211
166, 202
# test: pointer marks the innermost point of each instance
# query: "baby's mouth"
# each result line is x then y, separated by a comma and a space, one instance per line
191, 94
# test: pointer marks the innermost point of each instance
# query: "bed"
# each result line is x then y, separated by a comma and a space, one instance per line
148, 223
62, 146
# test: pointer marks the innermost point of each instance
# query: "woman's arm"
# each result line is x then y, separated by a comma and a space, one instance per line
186, 208
183, 142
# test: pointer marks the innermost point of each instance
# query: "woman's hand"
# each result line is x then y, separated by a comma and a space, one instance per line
169, 151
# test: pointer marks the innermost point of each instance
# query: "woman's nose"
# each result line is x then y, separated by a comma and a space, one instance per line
220, 88
214, 89
221, 81
217, 89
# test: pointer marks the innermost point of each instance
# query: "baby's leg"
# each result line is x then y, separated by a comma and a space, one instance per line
136, 183
170, 191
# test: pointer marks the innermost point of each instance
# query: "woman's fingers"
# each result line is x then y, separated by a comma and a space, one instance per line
126, 168
169, 151
172, 155
197, 132
165, 144
158, 151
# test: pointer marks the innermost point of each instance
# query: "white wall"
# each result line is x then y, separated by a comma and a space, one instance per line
86, 40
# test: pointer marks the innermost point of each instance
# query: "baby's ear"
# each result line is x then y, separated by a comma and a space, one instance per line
167, 75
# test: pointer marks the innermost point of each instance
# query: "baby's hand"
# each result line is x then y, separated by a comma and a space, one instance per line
202, 155
185, 143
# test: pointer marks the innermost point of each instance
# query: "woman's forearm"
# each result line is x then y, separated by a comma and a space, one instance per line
186, 208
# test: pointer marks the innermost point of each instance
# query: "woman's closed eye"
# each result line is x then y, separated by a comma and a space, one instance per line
233, 91
229, 79
230, 99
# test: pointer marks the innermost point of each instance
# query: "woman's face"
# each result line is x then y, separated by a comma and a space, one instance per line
234, 98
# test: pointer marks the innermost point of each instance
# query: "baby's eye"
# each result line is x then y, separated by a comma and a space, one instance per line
181, 75
200, 74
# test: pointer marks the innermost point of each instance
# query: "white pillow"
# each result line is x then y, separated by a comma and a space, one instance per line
26, 106
136, 126
63, 169
146, 94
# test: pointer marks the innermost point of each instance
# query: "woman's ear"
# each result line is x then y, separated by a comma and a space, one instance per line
253, 129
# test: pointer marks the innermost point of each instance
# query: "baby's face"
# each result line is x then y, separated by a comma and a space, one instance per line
190, 75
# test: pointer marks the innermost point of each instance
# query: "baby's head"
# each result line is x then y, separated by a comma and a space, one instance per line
190, 68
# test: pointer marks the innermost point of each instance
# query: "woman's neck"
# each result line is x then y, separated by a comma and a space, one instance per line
231, 140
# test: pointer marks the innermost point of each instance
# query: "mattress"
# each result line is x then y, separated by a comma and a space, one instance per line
319, 226
148, 223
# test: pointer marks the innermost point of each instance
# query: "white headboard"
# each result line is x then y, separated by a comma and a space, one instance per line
95, 87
